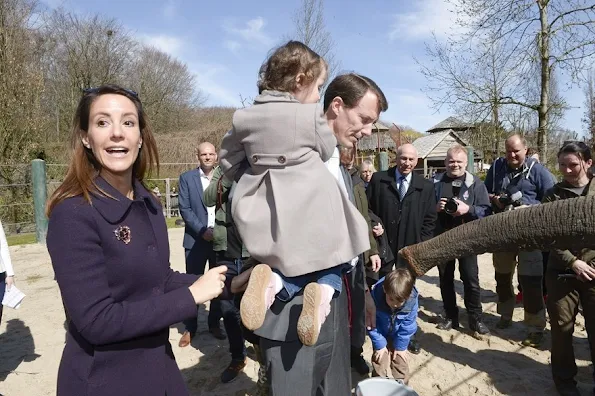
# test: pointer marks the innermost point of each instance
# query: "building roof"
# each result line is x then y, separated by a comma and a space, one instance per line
375, 140
449, 123
380, 126
426, 144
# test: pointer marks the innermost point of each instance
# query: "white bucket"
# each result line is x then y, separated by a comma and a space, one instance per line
383, 387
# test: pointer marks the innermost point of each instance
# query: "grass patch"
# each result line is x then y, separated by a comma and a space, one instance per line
21, 239
171, 222
33, 278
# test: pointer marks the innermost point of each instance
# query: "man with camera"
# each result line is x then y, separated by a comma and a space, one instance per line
513, 182
461, 198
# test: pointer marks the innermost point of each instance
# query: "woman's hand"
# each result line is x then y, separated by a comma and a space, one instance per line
584, 271
209, 286
9, 282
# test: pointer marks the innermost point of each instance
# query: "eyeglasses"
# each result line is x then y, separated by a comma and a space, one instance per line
93, 90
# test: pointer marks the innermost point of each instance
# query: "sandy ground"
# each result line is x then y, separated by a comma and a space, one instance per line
451, 363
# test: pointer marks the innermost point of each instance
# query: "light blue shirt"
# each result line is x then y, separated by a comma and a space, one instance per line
407, 180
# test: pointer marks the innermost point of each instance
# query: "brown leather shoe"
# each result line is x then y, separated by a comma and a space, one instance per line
186, 339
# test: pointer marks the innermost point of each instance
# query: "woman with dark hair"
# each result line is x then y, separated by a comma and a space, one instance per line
570, 276
107, 239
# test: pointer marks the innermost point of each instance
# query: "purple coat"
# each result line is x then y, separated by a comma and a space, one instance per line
121, 297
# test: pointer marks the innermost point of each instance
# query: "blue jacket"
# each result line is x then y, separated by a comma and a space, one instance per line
192, 209
534, 181
399, 324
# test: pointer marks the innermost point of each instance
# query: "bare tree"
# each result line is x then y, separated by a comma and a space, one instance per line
560, 32
21, 117
470, 79
310, 29
167, 88
589, 115
81, 52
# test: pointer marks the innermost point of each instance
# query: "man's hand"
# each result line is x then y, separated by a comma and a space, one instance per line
370, 311
378, 355
208, 235
462, 208
378, 230
584, 271
441, 204
375, 262
239, 283
403, 354
495, 201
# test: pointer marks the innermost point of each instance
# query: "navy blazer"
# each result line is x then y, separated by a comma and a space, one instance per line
121, 297
192, 208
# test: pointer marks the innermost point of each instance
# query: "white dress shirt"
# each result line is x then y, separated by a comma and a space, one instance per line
407, 180
210, 209
334, 166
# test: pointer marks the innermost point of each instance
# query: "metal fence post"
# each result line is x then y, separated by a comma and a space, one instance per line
40, 193
168, 197
383, 160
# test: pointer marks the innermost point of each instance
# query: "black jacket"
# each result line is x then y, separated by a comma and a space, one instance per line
474, 193
406, 222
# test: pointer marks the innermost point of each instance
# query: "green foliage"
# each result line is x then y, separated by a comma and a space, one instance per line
21, 239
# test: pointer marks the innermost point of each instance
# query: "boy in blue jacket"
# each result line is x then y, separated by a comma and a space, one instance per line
395, 297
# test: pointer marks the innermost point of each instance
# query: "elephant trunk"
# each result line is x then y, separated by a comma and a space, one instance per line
563, 224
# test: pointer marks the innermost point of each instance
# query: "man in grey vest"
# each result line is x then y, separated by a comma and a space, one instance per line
352, 103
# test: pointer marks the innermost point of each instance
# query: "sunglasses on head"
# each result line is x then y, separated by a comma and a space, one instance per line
87, 91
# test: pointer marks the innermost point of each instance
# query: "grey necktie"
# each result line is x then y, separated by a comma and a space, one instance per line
402, 187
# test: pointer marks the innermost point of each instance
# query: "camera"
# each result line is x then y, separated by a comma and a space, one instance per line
451, 206
511, 198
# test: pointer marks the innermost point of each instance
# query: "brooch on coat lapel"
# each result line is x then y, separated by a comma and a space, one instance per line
123, 234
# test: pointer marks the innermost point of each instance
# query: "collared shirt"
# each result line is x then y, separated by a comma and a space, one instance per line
398, 180
205, 180
334, 166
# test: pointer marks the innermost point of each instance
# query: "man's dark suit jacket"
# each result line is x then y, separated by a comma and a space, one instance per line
193, 209
408, 221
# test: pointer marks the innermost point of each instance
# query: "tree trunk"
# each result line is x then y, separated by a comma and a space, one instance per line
544, 52
496, 126
564, 224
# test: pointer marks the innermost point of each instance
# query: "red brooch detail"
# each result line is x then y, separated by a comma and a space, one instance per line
123, 234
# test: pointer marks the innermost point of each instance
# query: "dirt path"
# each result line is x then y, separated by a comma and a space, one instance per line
451, 363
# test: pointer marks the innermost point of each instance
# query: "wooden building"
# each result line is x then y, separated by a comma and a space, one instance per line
431, 150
